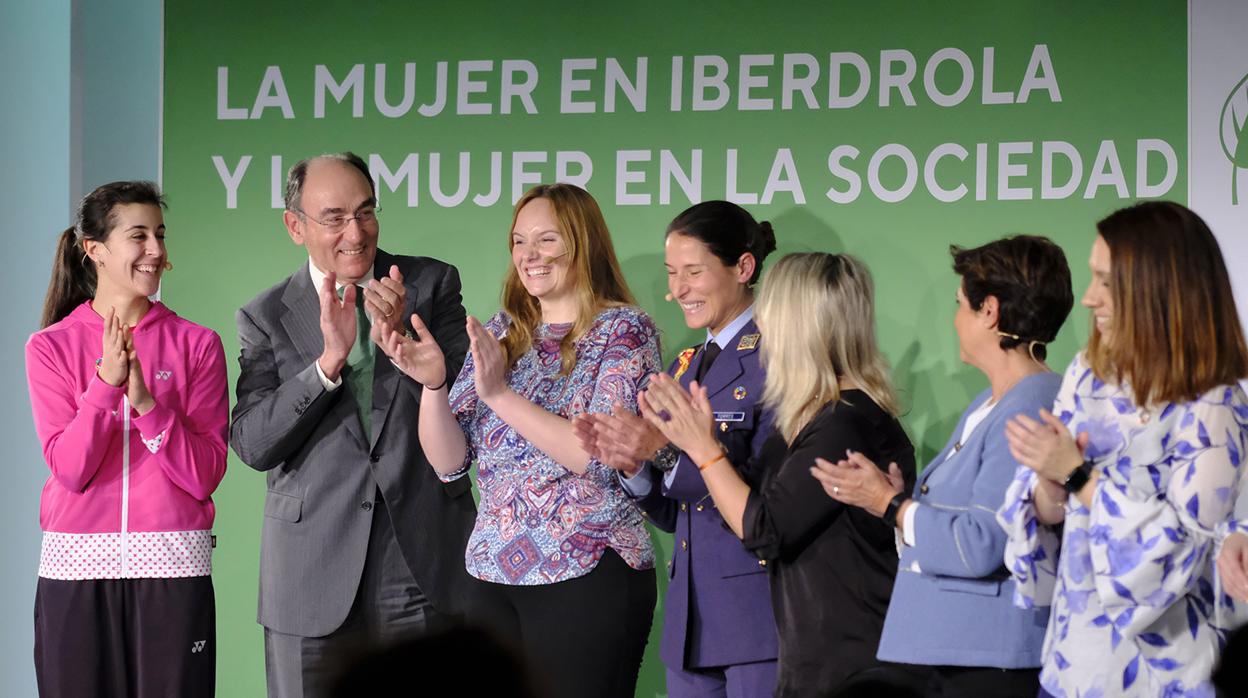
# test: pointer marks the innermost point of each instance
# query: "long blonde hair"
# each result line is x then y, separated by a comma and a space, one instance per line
817, 314
592, 265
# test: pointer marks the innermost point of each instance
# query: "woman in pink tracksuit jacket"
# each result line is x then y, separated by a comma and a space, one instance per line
130, 405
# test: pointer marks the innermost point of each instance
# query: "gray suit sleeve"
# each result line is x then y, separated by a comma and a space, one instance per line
272, 419
447, 323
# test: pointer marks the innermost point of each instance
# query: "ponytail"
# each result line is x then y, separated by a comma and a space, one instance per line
73, 279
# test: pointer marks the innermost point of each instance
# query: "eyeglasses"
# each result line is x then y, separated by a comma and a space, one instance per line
365, 216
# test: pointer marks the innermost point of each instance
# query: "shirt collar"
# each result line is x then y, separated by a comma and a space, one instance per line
318, 277
731, 329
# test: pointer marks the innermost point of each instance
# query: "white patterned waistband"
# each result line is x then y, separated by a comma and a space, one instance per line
134, 555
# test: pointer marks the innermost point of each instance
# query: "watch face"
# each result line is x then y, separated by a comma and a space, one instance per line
666, 458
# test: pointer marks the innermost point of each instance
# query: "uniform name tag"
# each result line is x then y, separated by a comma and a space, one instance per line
730, 416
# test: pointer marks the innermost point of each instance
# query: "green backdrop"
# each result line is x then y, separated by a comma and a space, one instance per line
1003, 99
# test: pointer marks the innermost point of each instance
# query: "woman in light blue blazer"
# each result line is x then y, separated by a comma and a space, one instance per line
952, 617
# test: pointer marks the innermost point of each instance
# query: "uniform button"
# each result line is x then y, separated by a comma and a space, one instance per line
762, 563
374, 458
923, 489
701, 507
366, 506
684, 507
684, 545
723, 426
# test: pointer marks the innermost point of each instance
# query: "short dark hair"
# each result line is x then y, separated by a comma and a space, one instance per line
293, 199
73, 278
1029, 277
728, 231
1176, 333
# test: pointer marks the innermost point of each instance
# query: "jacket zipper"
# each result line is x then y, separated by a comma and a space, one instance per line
125, 487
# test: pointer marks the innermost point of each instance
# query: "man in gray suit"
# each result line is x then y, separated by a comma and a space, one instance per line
361, 543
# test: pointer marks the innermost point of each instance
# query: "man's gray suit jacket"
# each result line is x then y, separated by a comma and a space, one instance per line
323, 471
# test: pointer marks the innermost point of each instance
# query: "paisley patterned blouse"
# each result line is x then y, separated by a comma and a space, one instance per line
1137, 606
539, 523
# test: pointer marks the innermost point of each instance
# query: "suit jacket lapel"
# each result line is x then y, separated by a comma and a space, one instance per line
729, 367
948, 452
302, 322
385, 376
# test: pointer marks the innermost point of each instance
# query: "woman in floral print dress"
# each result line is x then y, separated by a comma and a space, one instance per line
1126, 487
563, 553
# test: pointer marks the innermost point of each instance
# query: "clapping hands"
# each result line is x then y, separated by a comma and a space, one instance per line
119, 363
621, 440
684, 418
419, 357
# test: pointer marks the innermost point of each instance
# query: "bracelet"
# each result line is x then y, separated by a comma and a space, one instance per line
443, 385
713, 461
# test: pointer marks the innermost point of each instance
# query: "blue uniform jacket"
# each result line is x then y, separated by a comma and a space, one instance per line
959, 609
721, 614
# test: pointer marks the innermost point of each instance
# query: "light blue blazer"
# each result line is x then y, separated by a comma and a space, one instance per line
958, 610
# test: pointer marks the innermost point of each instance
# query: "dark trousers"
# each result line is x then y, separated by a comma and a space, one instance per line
388, 607
735, 681
581, 637
140, 638
980, 682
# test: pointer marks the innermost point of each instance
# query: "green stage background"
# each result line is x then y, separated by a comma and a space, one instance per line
1095, 72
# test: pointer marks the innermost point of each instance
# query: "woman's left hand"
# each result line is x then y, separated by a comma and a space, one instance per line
136, 388
1045, 446
685, 419
856, 480
489, 374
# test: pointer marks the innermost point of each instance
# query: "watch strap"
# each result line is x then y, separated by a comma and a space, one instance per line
1078, 477
894, 505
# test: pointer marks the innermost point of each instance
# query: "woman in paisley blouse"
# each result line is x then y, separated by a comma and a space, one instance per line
561, 549
1123, 492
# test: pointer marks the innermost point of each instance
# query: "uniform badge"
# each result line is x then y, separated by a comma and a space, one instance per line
738, 393
682, 361
749, 341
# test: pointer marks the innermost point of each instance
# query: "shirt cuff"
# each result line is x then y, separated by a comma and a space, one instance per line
153, 426
326, 383
638, 485
453, 476
907, 524
103, 396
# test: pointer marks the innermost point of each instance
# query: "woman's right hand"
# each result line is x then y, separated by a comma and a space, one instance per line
114, 364
621, 440
684, 418
419, 357
1233, 565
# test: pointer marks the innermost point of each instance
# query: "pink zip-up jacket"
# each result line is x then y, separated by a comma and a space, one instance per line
129, 496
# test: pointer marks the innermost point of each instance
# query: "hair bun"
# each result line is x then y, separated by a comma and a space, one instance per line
766, 243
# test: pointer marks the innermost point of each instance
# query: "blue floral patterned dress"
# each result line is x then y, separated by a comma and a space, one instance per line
538, 522
1137, 607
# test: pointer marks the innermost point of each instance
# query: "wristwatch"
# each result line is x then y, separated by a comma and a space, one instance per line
1078, 477
894, 505
665, 458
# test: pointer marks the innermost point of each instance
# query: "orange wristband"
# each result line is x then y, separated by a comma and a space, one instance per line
713, 461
